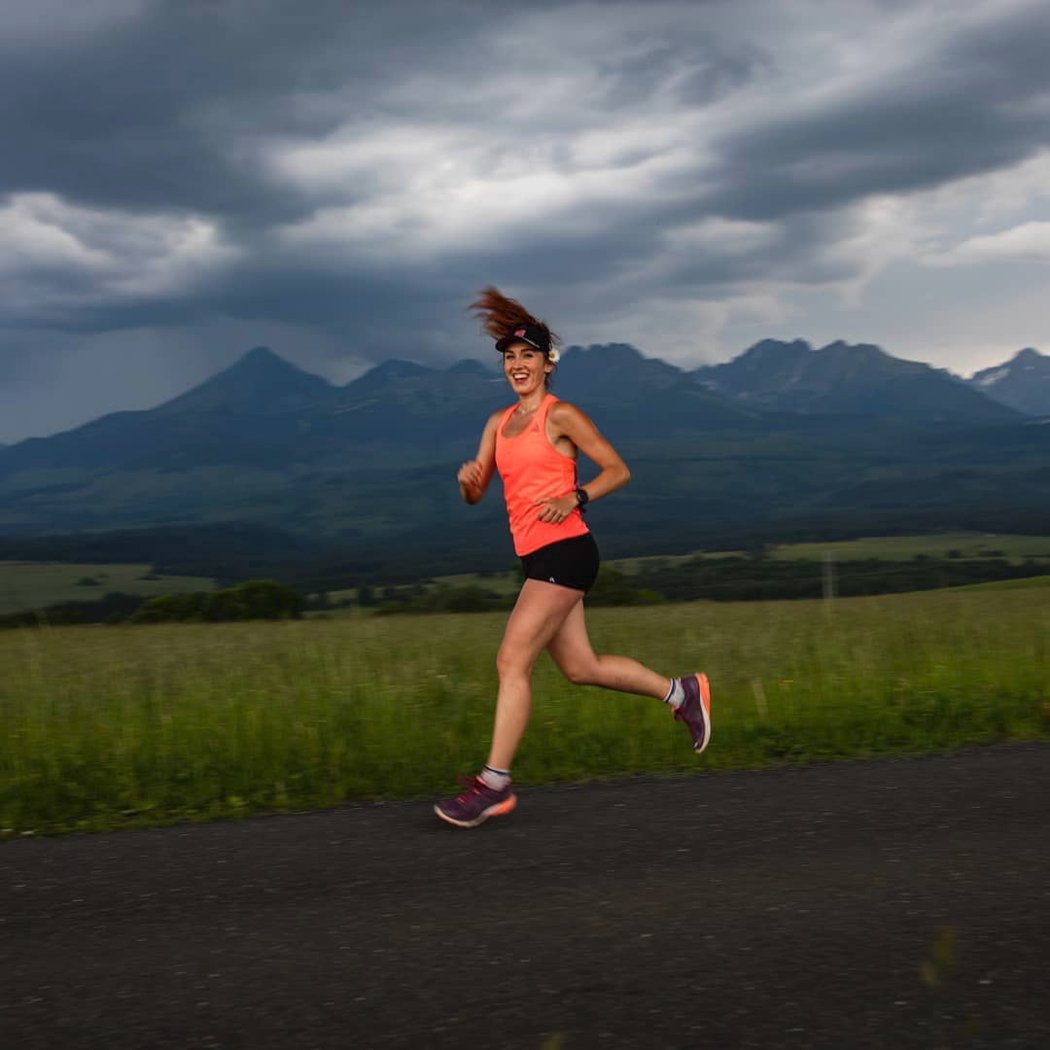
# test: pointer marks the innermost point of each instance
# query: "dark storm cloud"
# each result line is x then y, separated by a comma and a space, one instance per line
961, 109
362, 168
163, 109
136, 115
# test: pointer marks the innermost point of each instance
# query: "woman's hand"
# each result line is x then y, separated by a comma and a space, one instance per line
557, 508
474, 476
469, 475
471, 478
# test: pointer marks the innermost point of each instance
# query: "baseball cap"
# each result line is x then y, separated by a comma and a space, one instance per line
533, 336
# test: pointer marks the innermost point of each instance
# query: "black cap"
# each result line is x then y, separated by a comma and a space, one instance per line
529, 334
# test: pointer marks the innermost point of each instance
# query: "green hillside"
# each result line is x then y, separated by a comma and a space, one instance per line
34, 585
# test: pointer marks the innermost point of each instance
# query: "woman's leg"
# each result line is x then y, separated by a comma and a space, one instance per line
570, 648
690, 697
538, 614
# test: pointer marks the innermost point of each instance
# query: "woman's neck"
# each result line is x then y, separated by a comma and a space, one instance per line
530, 402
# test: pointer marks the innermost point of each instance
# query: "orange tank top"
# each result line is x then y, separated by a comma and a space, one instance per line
531, 468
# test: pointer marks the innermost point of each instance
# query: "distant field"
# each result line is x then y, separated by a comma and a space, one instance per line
946, 545
34, 585
501, 582
119, 726
888, 548
1031, 583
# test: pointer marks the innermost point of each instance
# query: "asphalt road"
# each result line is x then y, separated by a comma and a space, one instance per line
871, 904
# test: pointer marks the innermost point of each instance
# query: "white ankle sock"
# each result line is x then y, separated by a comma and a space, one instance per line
676, 694
497, 779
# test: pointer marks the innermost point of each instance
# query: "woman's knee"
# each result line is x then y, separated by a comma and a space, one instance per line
509, 662
581, 672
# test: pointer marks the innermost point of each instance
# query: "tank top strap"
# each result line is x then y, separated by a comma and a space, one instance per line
545, 409
504, 419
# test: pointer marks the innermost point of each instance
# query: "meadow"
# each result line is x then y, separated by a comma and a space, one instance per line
964, 545
1013, 548
937, 545
109, 727
33, 585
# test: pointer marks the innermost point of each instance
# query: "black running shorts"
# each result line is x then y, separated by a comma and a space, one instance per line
568, 563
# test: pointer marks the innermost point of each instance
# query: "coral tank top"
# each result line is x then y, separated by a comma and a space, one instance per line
531, 468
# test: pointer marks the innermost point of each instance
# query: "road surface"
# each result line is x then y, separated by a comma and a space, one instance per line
894, 902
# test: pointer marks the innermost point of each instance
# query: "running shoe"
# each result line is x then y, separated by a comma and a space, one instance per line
695, 709
477, 803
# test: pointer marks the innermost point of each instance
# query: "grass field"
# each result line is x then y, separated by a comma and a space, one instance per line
35, 585
943, 545
1026, 584
887, 548
124, 726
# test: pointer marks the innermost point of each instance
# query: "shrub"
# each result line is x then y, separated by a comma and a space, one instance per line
252, 600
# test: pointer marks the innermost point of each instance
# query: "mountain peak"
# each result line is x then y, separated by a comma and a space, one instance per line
469, 366
1028, 356
1022, 383
609, 366
840, 346
778, 346
259, 381
397, 368
258, 355
844, 378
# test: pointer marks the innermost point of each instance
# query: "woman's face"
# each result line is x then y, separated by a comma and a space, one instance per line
525, 367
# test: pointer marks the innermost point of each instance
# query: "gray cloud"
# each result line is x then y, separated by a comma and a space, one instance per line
970, 105
346, 175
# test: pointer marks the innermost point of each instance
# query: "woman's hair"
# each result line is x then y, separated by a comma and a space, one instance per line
500, 316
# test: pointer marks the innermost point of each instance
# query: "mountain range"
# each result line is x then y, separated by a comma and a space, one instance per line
1023, 383
784, 438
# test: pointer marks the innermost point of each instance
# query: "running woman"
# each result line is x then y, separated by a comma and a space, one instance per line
534, 445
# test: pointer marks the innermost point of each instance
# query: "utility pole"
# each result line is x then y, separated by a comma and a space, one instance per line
829, 577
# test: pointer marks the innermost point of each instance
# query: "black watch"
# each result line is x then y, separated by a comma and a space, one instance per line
581, 496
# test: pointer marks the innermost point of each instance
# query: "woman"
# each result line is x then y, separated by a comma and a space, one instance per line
534, 445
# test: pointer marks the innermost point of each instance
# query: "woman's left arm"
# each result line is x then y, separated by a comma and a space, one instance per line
576, 426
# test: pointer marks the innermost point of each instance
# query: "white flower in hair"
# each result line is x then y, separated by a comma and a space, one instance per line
553, 355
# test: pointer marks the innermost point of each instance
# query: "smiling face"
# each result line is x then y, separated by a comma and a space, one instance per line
526, 368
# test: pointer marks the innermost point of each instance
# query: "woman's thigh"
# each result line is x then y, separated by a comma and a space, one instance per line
570, 646
537, 615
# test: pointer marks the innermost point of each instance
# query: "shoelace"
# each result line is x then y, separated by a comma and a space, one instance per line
471, 786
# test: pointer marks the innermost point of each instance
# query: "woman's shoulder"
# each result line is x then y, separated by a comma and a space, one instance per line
496, 417
560, 410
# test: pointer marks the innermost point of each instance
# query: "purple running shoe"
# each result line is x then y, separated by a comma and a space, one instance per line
695, 709
477, 803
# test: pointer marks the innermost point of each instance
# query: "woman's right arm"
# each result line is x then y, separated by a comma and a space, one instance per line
474, 476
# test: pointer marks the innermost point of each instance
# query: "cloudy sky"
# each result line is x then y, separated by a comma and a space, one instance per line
181, 180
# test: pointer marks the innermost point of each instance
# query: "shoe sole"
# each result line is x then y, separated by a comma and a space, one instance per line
705, 707
497, 810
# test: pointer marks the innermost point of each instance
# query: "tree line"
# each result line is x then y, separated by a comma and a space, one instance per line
754, 577
251, 600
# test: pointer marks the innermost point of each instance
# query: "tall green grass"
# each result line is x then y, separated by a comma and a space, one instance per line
105, 727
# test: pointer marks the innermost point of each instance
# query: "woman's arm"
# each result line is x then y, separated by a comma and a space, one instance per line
474, 476
568, 422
